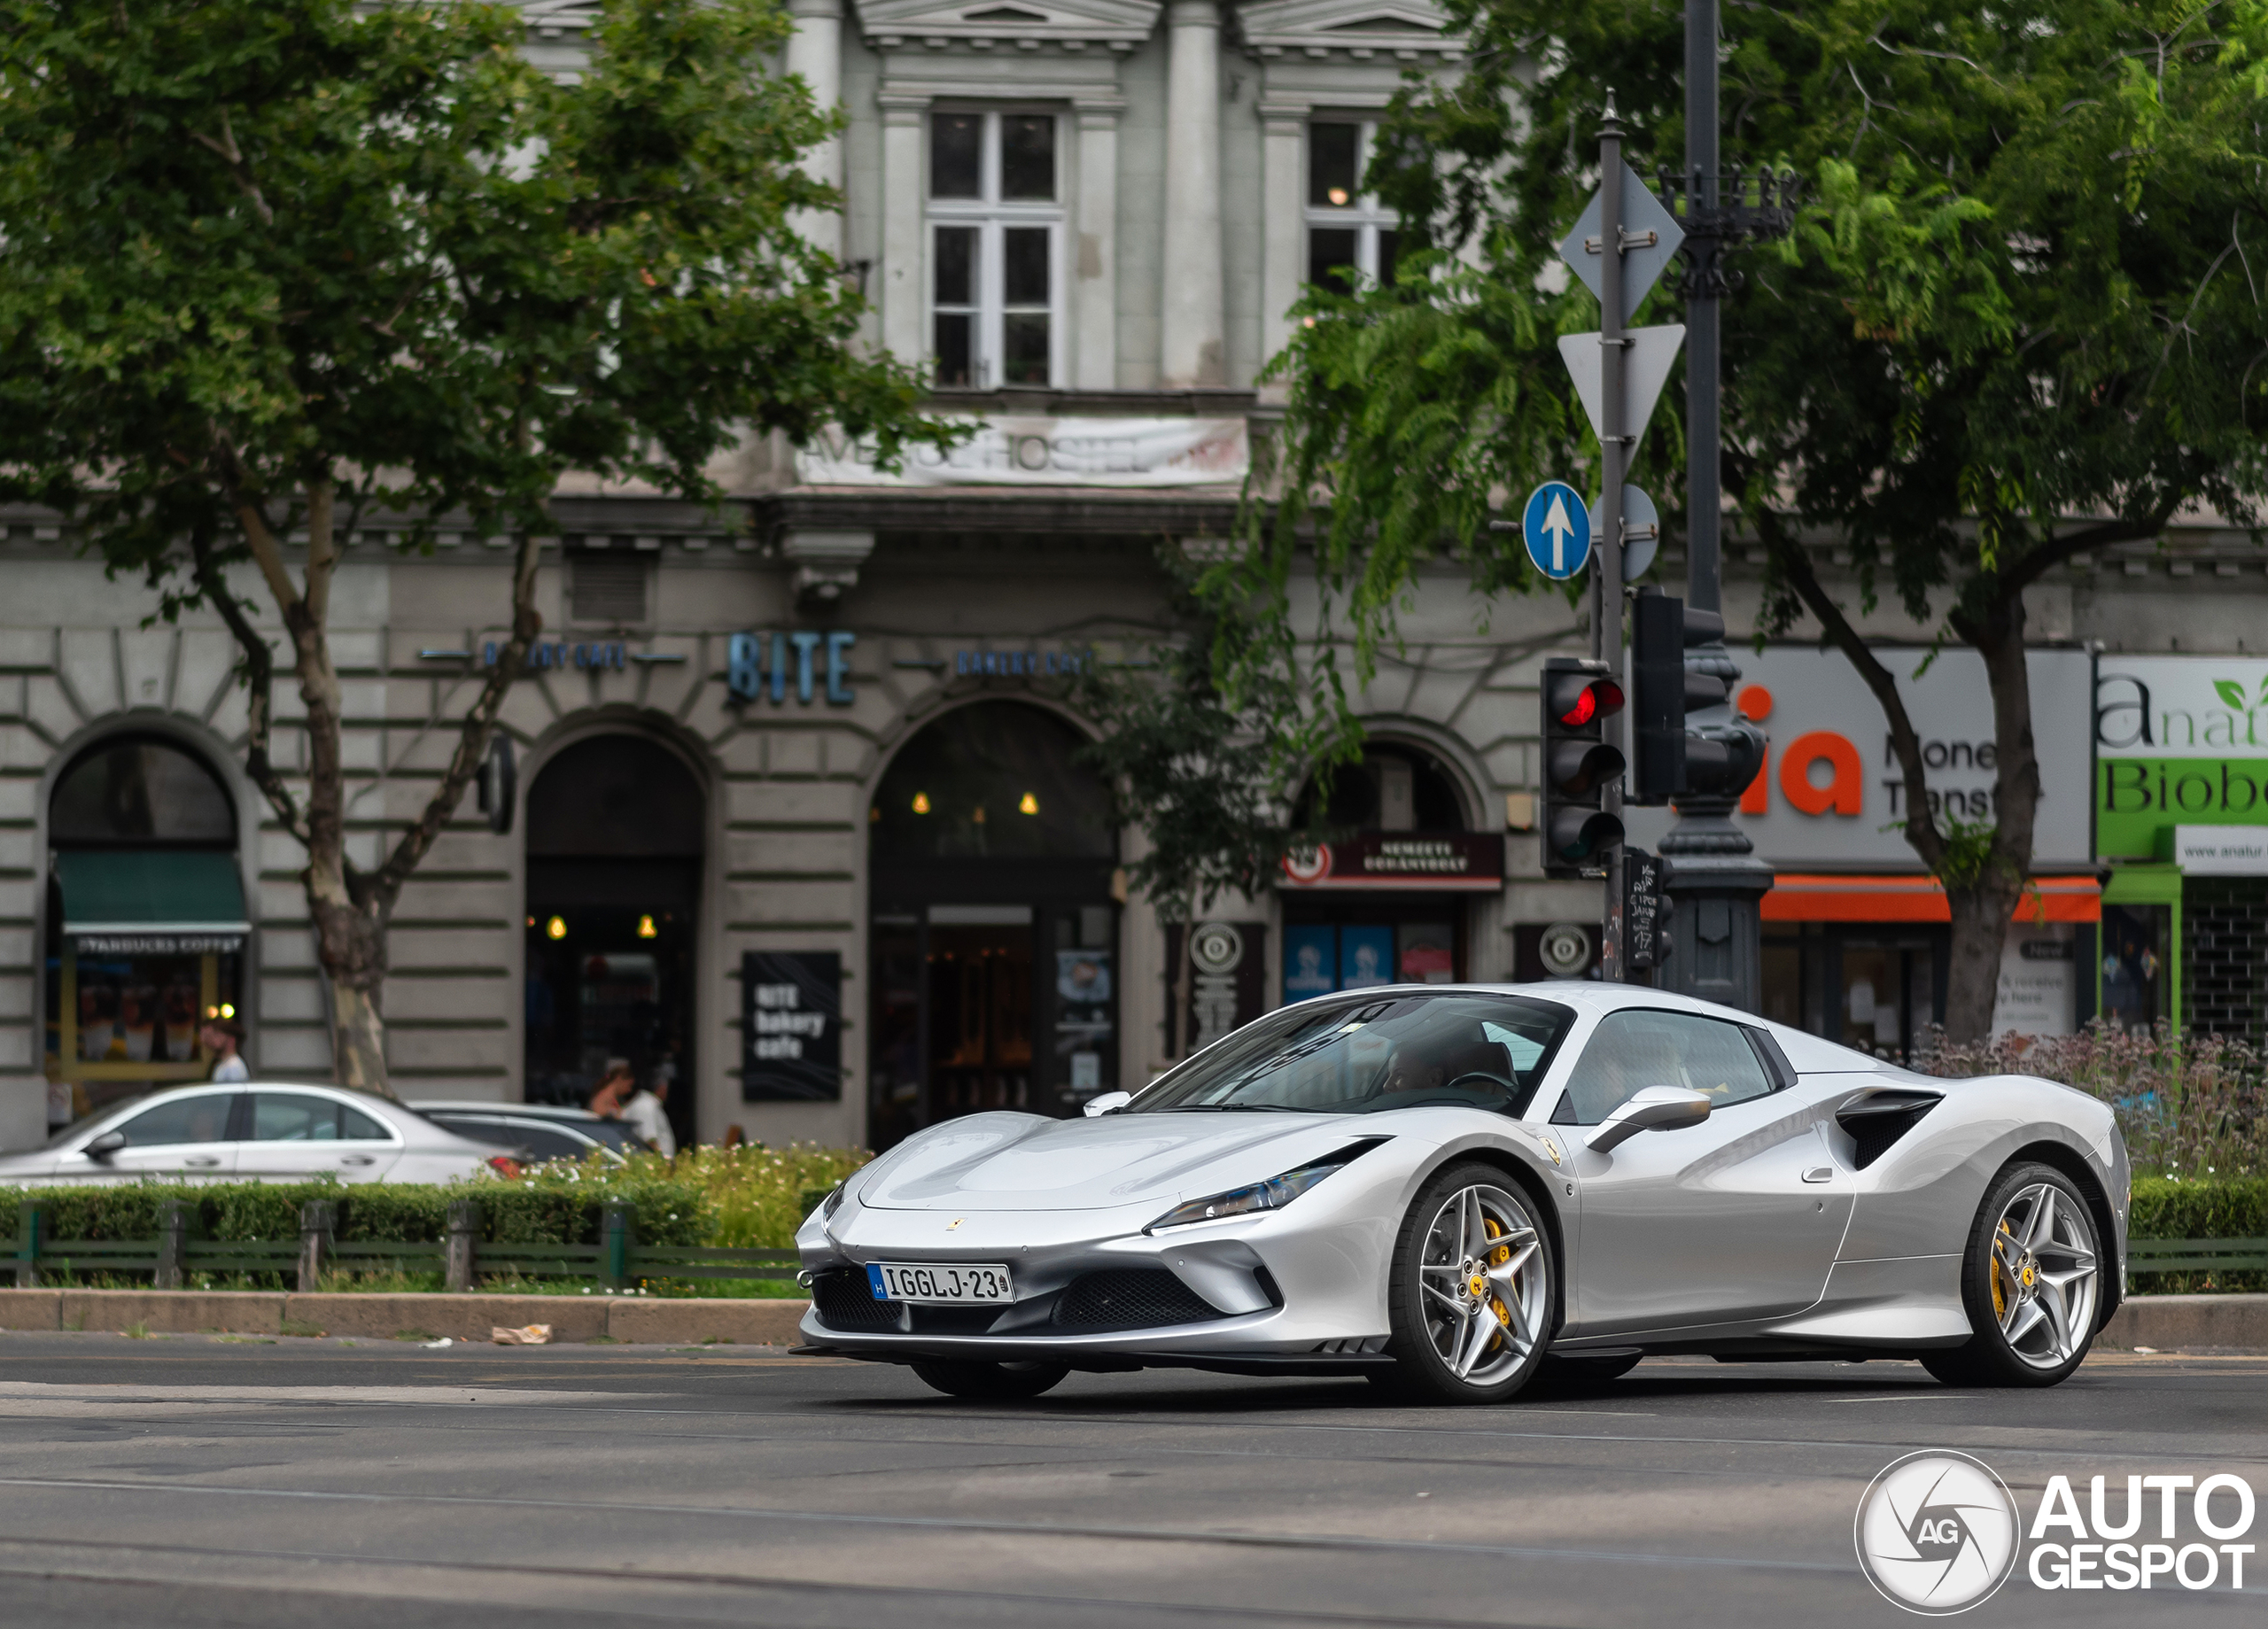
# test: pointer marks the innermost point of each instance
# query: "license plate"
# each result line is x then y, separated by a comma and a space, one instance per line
934, 1285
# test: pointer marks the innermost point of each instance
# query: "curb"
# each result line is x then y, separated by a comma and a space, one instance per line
628, 1319
2172, 1323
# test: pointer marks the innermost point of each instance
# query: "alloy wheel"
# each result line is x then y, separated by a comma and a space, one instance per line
2044, 1276
1482, 1280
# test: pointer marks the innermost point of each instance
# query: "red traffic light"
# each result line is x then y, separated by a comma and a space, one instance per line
1578, 701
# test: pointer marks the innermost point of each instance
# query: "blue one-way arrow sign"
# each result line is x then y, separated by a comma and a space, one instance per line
1557, 529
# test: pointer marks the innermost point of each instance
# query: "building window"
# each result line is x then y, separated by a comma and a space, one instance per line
1346, 227
608, 587
996, 229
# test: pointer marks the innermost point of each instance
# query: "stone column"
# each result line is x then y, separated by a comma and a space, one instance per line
1095, 253
905, 328
1191, 334
1283, 202
815, 51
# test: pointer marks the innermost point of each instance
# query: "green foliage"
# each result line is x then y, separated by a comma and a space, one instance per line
555, 1208
2214, 1207
2190, 1107
1200, 771
247, 251
753, 1194
2020, 319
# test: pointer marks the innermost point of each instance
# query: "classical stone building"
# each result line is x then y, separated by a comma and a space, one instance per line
795, 810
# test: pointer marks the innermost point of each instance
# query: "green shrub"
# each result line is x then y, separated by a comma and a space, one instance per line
547, 1209
2189, 1106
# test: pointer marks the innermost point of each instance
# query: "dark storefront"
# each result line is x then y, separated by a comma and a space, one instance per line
994, 952
614, 844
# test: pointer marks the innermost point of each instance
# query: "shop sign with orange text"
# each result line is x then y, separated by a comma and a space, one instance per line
1831, 794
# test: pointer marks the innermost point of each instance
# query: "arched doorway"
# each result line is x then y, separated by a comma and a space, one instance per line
616, 825
995, 941
1386, 901
145, 920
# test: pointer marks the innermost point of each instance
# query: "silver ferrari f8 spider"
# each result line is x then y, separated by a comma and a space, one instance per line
1454, 1190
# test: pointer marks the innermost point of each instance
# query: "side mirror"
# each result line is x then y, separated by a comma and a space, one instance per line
103, 1146
1102, 1103
1656, 1108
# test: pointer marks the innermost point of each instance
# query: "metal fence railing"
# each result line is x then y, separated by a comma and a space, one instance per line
615, 1261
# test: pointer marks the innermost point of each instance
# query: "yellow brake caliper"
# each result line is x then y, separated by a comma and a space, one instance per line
2000, 1297
1497, 1258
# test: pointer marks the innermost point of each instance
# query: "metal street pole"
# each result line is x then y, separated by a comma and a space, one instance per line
1606, 520
1711, 872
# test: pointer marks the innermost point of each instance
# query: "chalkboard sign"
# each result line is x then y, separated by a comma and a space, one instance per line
1641, 909
791, 1026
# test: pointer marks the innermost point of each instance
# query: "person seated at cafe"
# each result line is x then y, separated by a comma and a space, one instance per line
222, 1037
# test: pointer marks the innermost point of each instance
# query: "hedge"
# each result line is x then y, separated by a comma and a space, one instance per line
539, 1210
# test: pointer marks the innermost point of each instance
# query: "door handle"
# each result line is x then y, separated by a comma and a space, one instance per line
1820, 1173
358, 1160
201, 1160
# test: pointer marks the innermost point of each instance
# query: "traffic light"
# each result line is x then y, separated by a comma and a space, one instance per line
1579, 697
1663, 754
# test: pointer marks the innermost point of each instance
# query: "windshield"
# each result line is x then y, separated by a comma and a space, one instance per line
1363, 1057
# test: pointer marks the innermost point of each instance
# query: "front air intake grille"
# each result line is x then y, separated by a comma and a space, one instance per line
846, 1301
1131, 1298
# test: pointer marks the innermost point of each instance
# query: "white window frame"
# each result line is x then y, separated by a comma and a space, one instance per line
1362, 215
992, 215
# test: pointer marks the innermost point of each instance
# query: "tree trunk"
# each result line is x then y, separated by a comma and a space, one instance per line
1184, 981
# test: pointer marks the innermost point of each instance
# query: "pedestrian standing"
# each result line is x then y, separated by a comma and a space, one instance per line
614, 1086
645, 1113
222, 1037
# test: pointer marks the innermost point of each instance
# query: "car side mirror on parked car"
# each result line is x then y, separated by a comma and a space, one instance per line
1656, 1108
103, 1146
1102, 1103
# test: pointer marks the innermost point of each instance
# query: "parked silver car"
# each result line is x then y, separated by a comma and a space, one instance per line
535, 1132
259, 1131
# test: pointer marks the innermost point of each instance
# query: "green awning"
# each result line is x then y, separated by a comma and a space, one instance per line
138, 901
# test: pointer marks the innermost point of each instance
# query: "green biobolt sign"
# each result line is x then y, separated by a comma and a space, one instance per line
2179, 741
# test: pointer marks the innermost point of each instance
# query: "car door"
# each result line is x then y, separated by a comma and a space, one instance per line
294, 1136
1735, 1219
182, 1137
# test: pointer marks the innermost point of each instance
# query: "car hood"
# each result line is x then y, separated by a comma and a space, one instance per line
1008, 1161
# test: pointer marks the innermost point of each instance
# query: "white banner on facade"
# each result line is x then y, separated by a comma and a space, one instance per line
1046, 452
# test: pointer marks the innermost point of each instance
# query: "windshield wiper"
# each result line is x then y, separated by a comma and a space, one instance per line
1239, 1108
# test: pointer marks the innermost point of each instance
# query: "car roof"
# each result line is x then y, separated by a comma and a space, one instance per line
530, 1111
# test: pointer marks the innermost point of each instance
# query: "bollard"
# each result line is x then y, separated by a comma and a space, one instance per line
31, 1233
464, 1239
173, 1243
615, 1217
318, 1223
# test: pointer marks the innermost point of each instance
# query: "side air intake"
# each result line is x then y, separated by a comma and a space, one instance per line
1880, 1118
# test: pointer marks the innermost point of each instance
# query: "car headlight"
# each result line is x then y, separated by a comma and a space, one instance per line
828, 1206
1274, 1194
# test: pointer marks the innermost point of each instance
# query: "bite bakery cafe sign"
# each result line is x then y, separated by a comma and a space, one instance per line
2181, 751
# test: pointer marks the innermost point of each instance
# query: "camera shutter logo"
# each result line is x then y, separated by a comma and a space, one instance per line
1936, 1532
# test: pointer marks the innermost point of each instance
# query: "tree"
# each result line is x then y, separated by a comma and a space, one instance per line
2020, 323
1201, 777
266, 270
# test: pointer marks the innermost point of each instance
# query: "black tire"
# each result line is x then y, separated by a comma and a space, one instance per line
1506, 1350
1573, 1371
2036, 1266
990, 1382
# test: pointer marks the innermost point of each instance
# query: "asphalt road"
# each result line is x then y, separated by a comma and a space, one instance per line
197, 1481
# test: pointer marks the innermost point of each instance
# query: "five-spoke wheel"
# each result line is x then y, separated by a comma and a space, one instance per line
1471, 1295
2032, 1283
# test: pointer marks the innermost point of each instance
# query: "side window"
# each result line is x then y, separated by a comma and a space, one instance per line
187, 1119
287, 1117
543, 1143
354, 1123
1631, 1050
